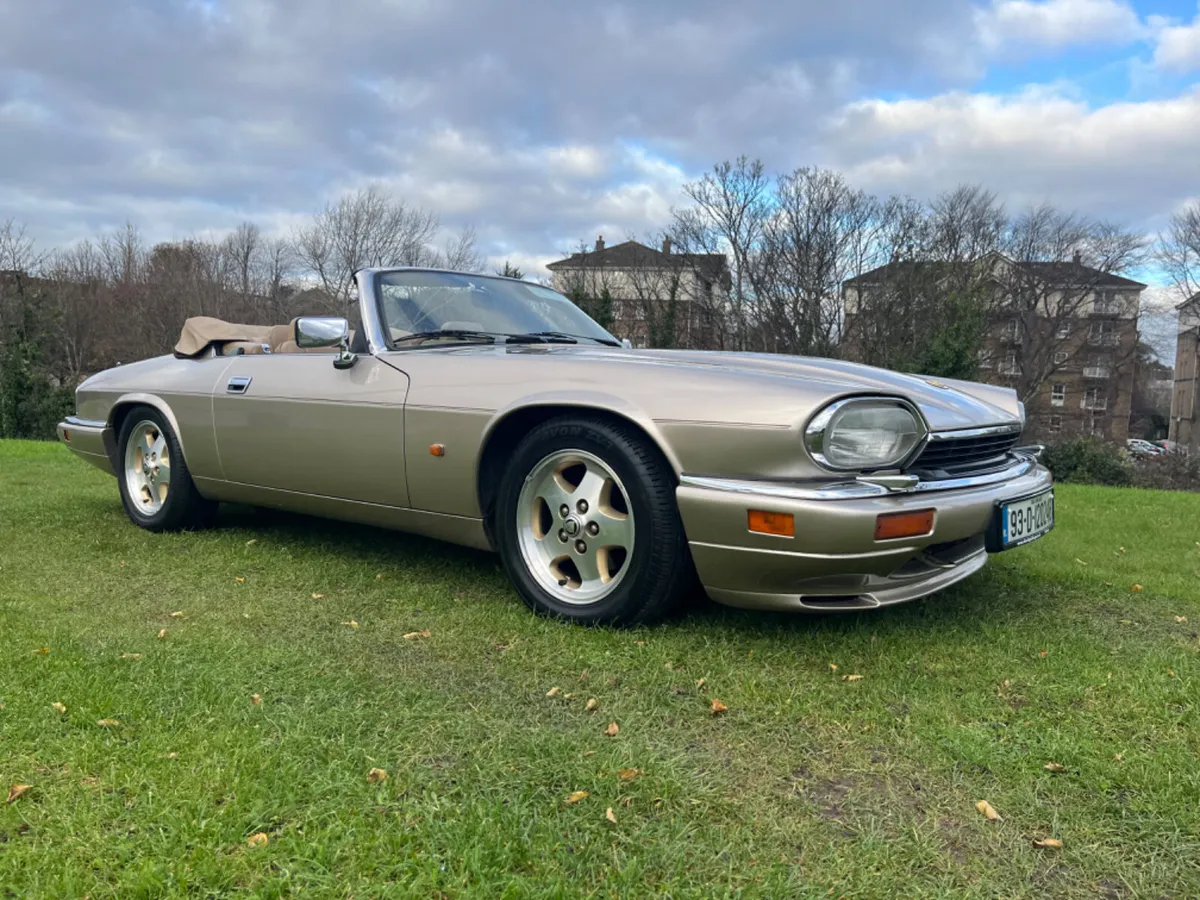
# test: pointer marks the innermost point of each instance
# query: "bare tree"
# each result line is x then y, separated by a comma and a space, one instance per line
363, 228
1178, 251
460, 253
79, 292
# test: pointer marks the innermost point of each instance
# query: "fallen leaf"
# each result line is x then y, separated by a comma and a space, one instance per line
1049, 843
568, 696
354, 625
413, 635
610, 815
89, 781
1136, 588
376, 775
171, 756
1180, 620
612, 729
318, 596
240, 580
700, 683
852, 678
1118, 757
108, 723
1054, 767
1006, 683
583, 675
17, 790
717, 707
1170, 673
131, 656
986, 808
256, 699
41, 651
1126, 621
592, 704
1120, 549
379, 577
1080, 561
58, 707
833, 667
639, 643
575, 796
553, 692
628, 774
177, 615
258, 839
1042, 653
251, 542
162, 633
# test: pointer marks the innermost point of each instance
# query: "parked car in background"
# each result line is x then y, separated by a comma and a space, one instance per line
494, 413
1140, 448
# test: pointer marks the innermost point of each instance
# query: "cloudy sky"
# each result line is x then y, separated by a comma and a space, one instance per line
544, 122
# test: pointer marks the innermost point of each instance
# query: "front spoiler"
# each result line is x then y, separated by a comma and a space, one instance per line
90, 440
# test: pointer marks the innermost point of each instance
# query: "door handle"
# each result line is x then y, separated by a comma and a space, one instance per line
238, 384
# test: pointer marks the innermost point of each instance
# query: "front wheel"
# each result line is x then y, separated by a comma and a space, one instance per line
156, 487
587, 524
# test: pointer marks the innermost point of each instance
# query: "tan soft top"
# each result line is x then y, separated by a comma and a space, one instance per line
201, 332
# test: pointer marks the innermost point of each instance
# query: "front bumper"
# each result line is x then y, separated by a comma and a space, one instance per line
91, 441
833, 562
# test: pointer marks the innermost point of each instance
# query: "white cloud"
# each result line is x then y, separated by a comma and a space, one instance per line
1179, 47
1015, 24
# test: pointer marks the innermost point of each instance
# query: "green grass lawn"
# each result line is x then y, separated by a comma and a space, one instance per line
809, 785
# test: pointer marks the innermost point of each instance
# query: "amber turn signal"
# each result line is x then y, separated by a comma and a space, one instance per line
437, 449
890, 526
763, 522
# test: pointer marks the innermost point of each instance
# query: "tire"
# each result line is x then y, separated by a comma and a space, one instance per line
636, 566
156, 489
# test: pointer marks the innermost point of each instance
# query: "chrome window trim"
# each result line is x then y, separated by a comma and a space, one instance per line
368, 310
857, 489
814, 431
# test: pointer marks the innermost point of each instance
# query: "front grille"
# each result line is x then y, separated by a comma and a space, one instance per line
947, 455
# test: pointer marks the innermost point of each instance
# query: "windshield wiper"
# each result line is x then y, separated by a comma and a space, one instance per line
575, 338
459, 333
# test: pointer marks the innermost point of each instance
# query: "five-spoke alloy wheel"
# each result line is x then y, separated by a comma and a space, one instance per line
156, 486
586, 523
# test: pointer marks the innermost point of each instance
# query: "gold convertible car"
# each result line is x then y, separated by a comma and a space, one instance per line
494, 413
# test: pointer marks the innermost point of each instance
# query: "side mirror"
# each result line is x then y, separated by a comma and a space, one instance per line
326, 331
627, 343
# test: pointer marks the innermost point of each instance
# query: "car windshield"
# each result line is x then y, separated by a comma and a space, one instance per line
420, 304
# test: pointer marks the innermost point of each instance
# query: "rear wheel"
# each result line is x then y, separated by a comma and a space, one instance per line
156, 487
587, 524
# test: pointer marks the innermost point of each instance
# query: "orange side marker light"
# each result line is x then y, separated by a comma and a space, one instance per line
890, 526
437, 449
763, 522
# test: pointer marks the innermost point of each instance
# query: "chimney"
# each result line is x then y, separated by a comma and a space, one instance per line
1077, 257
599, 243
667, 245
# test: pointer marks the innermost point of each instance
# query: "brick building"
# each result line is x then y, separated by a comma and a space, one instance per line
1185, 408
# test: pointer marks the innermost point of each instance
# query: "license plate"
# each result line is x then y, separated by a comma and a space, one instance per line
1025, 520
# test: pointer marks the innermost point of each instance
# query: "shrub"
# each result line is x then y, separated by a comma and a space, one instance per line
1088, 461
1170, 472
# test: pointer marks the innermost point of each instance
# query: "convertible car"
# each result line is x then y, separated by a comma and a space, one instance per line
612, 481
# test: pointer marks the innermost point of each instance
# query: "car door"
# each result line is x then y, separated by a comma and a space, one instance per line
292, 422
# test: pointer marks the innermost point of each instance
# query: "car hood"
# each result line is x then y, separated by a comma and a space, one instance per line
947, 404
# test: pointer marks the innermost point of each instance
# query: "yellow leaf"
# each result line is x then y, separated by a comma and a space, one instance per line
413, 635
131, 656
58, 707
256, 699
108, 723
1042, 653
258, 839
41, 651
583, 675
376, 775
700, 682
318, 596
240, 580
354, 625
17, 790
852, 678
177, 615
575, 796
1049, 843
162, 633
717, 707
1180, 620
1126, 621
251, 542
1136, 588
568, 696
592, 704
833, 667
553, 692
639, 643
1080, 561
986, 808
1118, 757
612, 729
1054, 767
610, 815
1170, 673
379, 577
171, 755
628, 774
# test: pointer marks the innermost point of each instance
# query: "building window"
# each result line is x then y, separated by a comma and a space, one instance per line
1012, 331
1058, 394
1102, 333
1093, 401
984, 359
1009, 366
1064, 330
1106, 303
1096, 368
1055, 424
1060, 357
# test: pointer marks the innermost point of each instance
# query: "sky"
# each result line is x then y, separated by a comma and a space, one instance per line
543, 123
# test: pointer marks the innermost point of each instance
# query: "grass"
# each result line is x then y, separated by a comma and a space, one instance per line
809, 785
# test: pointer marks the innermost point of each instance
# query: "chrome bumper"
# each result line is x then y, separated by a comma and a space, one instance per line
90, 440
833, 561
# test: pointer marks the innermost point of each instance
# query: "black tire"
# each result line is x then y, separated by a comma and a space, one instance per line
183, 507
660, 573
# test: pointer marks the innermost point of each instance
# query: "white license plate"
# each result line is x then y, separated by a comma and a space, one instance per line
1026, 520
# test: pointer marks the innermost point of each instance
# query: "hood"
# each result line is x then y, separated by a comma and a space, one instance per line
947, 404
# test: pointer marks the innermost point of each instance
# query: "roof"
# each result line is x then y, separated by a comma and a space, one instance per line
1051, 272
632, 255
1195, 298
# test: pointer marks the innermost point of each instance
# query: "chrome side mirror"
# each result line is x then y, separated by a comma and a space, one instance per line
326, 331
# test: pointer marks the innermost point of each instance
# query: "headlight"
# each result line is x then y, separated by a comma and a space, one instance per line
864, 433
